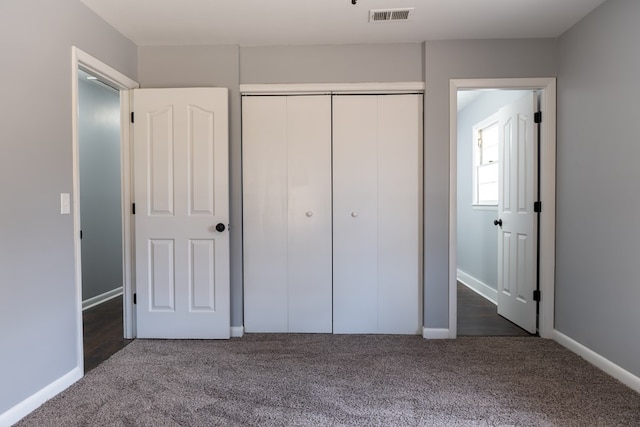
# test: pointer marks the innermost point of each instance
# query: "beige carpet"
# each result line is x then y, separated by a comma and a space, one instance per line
338, 380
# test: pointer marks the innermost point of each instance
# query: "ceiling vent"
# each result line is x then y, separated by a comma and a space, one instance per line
386, 15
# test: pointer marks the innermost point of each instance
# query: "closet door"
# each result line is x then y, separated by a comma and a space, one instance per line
377, 213
264, 184
309, 213
355, 214
400, 214
287, 213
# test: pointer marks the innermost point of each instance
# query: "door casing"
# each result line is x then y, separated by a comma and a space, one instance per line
547, 156
123, 84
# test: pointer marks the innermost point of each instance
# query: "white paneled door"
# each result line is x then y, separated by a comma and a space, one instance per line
287, 213
516, 217
182, 213
377, 203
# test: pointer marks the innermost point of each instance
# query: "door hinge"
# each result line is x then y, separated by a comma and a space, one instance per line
135, 298
80, 234
537, 207
133, 208
132, 118
536, 295
537, 117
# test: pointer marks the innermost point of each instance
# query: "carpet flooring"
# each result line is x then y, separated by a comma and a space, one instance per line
340, 380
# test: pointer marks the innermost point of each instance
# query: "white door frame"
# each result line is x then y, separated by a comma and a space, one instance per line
124, 84
547, 156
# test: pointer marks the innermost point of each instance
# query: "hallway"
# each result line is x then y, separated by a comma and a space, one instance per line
479, 317
102, 332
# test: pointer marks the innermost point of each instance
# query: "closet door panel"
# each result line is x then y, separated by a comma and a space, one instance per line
399, 211
265, 209
355, 205
309, 213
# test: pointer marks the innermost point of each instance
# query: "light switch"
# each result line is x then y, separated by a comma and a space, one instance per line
65, 204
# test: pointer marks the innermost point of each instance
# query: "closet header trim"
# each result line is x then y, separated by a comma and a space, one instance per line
332, 88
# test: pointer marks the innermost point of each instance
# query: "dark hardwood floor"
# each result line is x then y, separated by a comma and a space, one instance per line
102, 332
477, 316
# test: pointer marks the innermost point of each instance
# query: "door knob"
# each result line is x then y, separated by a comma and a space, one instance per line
498, 222
354, 214
220, 227
309, 214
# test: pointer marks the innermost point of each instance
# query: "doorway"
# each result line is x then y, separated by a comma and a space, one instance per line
100, 202
482, 126
100, 190
487, 260
118, 86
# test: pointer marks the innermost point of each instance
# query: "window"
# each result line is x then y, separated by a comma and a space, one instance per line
485, 161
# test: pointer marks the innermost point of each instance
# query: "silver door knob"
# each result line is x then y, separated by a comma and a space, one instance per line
354, 214
309, 214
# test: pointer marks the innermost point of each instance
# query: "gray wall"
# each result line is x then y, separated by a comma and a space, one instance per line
598, 238
400, 62
100, 187
445, 60
38, 311
229, 66
477, 239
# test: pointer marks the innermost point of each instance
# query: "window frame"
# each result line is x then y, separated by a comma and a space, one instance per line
477, 129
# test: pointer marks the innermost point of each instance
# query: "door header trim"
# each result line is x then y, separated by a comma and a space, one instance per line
331, 88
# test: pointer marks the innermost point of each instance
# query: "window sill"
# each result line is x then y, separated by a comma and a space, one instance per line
481, 207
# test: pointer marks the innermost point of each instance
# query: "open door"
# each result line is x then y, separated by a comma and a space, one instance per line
517, 231
181, 212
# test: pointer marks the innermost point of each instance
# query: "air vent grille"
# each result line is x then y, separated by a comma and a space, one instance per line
400, 14
387, 15
381, 15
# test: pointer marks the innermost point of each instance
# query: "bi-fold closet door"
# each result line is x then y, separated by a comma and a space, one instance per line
332, 213
377, 210
286, 155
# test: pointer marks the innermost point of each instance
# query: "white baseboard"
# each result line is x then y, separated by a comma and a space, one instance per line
598, 361
237, 331
435, 334
99, 299
478, 287
31, 403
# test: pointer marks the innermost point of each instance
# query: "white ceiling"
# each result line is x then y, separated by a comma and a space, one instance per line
305, 22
